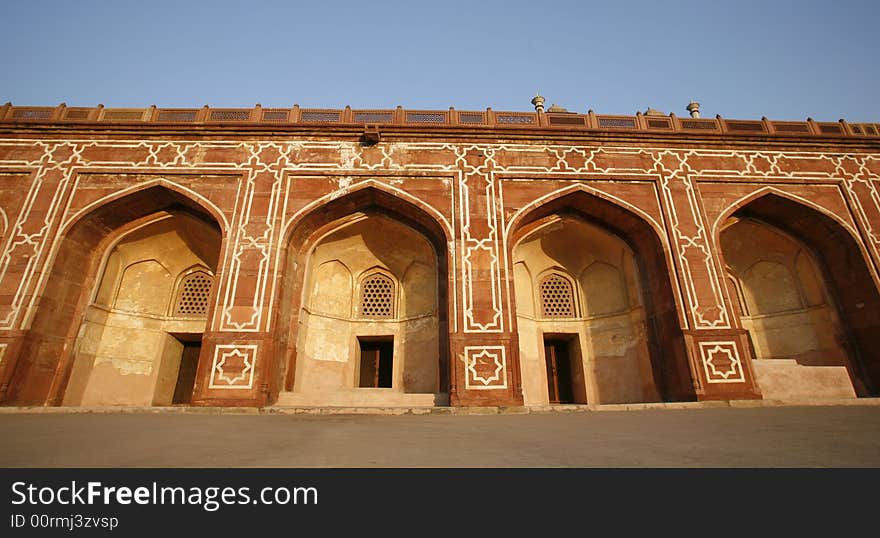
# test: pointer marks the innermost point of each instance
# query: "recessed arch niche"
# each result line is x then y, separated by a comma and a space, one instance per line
621, 336
804, 293
105, 331
364, 272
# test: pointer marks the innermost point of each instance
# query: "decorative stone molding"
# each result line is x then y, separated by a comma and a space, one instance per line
486, 367
721, 362
233, 366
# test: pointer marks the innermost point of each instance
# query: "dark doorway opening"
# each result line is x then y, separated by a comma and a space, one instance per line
560, 385
377, 356
189, 364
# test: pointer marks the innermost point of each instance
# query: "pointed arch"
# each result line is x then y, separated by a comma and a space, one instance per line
514, 221
334, 281
123, 232
645, 238
353, 191
773, 191
192, 290
558, 294
606, 209
378, 291
194, 198
318, 220
344, 207
72, 270
843, 261
329, 213
121, 213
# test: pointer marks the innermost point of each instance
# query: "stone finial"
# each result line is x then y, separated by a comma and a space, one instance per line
538, 101
694, 108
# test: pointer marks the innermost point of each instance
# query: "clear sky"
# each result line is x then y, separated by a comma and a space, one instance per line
783, 59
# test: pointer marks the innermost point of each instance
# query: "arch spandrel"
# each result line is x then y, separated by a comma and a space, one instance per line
366, 193
637, 197
91, 195
735, 197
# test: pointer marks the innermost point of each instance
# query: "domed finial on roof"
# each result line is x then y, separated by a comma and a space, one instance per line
694, 108
556, 108
653, 112
538, 101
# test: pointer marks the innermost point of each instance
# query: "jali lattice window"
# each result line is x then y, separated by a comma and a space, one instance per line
557, 297
193, 294
377, 297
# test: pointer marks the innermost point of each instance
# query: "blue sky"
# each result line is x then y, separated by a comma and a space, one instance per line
744, 59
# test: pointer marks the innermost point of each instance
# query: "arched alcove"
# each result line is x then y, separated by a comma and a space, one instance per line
622, 340
104, 332
365, 277
588, 343
807, 299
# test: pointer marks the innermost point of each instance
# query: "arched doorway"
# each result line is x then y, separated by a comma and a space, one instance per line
364, 305
127, 299
596, 315
805, 296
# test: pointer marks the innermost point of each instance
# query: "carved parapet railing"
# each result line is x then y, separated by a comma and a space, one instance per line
399, 116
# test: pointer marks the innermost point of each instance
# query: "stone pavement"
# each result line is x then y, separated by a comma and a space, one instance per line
705, 434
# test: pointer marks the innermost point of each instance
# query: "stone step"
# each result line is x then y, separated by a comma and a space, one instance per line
356, 398
444, 410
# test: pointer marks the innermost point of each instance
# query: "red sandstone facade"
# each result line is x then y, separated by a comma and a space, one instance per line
473, 184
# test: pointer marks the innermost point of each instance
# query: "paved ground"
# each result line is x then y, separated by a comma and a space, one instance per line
717, 437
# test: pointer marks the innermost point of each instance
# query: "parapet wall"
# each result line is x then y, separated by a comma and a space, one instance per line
280, 117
